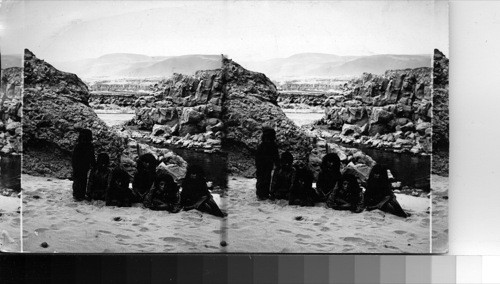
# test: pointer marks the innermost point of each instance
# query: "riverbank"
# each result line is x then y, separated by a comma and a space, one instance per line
252, 226
91, 227
276, 227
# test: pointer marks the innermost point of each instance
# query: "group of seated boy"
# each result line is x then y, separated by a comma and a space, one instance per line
156, 190
279, 178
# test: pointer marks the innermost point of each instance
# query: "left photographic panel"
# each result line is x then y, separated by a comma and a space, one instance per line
10, 152
96, 182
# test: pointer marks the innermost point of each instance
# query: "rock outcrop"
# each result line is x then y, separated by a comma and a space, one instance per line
391, 111
10, 128
250, 103
98, 99
56, 105
11, 111
230, 104
440, 112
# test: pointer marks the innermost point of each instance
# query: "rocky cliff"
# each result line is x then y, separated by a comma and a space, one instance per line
389, 111
56, 105
230, 104
440, 112
10, 128
10, 111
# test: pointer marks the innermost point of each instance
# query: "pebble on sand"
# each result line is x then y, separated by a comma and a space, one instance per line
299, 218
223, 244
117, 219
44, 245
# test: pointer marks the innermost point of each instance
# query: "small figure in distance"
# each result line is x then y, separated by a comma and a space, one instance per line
195, 194
329, 175
164, 195
266, 159
82, 160
348, 195
118, 193
99, 178
144, 176
283, 178
379, 194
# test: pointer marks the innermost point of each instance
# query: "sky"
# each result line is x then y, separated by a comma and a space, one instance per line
244, 30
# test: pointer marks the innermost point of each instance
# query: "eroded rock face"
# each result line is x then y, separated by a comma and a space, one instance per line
56, 105
251, 102
10, 128
384, 105
11, 111
440, 111
232, 103
440, 122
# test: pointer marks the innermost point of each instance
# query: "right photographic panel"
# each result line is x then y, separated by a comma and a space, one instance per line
337, 128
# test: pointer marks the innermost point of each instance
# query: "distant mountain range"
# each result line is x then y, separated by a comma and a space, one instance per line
296, 66
11, 60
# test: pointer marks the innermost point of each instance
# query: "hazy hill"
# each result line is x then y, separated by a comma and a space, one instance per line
296, 66
329, 65
139, 66
187, 64
11, 60
375, 64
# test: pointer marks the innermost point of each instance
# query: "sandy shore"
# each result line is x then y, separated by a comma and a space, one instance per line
10, 224
50, 215
439, 213
272, 226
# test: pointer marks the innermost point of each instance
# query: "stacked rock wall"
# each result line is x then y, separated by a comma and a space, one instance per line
231, 104
11, 111
10, 128
440, 119
393, 110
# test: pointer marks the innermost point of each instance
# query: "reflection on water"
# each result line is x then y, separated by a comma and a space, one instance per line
411, 170
10, 172
214, 165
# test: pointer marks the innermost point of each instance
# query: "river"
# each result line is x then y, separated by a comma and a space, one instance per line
411, 170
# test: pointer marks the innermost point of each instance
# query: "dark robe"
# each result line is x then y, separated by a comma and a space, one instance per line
283, 178
266, 158
379, 195
346, 199
167, 199
301, 192
327, 181
98, 183
144, 176
195, 195
118, 193
143, 181
82, 160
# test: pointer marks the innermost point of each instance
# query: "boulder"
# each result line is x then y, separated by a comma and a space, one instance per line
161, 130
349, 129
55, 108
422, 126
